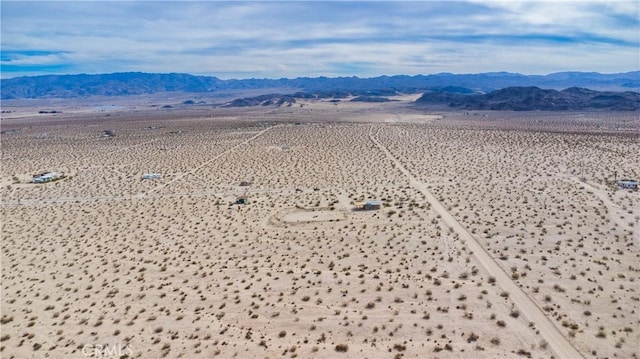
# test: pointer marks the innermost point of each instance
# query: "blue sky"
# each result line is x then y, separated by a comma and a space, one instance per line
268, 39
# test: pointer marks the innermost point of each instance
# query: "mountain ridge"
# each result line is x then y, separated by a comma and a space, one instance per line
139, 83
534, 98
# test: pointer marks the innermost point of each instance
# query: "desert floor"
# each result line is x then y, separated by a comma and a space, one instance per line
498, 235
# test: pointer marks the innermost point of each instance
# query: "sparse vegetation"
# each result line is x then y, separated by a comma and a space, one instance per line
174, 267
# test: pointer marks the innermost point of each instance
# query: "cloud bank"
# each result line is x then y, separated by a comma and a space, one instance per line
291, 39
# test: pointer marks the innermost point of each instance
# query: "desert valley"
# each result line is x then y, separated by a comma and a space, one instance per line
321, 229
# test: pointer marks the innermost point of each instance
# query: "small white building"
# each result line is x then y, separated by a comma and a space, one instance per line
45, 177
628, 184
369, 205
372, 205
149, 176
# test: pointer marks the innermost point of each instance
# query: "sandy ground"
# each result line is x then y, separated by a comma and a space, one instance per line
498, 235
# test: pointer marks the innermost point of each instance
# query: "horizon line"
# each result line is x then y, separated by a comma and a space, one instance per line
2, 78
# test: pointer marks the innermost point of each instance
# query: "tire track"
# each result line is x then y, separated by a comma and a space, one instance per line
203, 164
529, 309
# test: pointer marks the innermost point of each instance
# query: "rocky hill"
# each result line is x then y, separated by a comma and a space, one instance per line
534, 98
263, 100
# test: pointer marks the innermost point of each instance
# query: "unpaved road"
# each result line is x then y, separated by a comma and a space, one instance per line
555, 339
193, 171
616, 213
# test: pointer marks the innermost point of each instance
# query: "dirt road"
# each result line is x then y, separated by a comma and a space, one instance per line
194, 170
528, 308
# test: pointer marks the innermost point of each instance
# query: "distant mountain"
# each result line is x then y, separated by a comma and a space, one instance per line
117, 84
534, 98
137, 83
263, 100
510, 98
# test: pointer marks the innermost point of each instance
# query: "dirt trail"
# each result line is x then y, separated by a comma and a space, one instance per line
555, 339
194, 170
616, 213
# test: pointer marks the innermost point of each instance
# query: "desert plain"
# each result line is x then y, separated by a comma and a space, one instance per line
499, 234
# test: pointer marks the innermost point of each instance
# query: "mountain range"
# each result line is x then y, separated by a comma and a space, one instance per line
456, 98
138, 83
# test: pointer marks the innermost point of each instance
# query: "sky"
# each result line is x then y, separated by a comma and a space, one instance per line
270, 39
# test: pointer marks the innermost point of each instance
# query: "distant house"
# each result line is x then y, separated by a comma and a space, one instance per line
109, 133
149, 176
372, 205
46, 177
628, 184
368, 205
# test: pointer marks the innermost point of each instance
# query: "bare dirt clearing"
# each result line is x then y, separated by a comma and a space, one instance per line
312, 216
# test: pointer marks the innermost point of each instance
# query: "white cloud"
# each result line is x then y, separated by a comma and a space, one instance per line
275, 39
